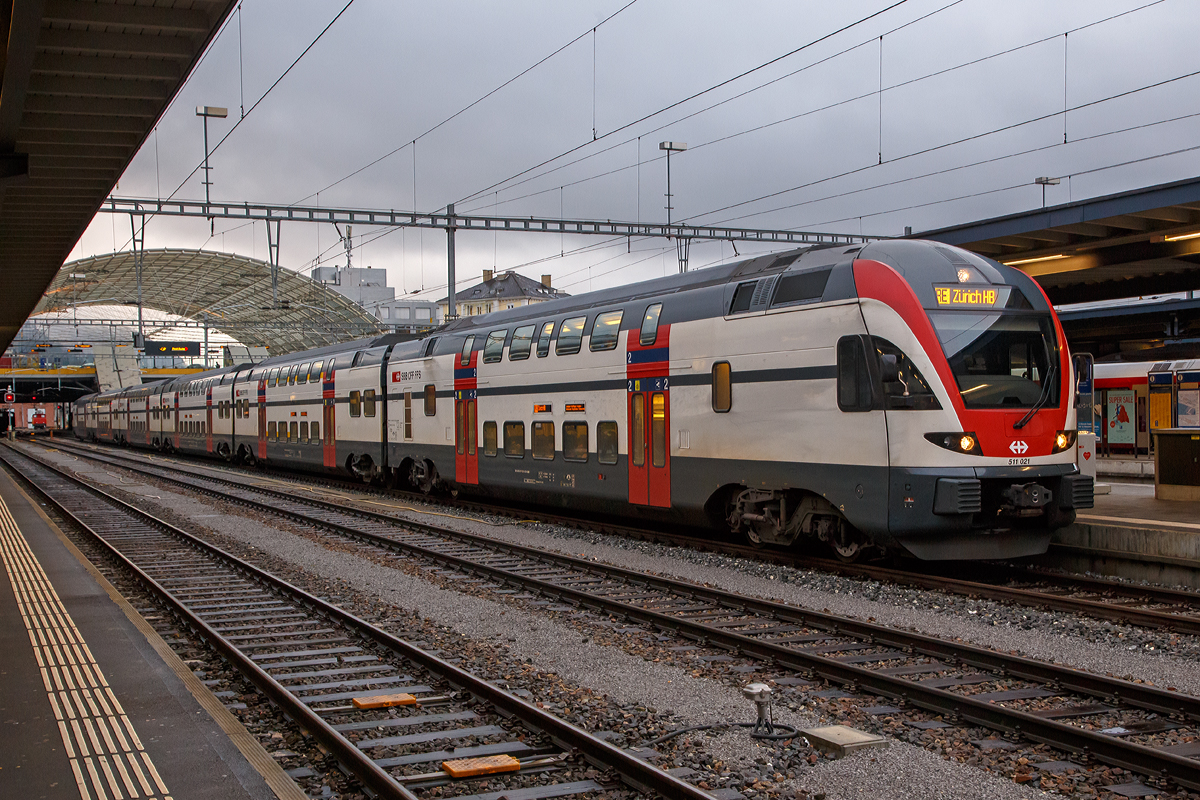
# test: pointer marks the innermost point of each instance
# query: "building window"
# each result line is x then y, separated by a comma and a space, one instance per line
430, 400
387, 312
514, 439
403, 313
422, 313
722, 388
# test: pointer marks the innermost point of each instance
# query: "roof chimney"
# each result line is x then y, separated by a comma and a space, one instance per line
487, 275
546, 281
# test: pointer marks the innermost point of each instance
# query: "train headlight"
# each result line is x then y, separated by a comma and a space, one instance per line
958, 442
1064, 440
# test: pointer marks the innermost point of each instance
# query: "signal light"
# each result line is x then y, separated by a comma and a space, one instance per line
8, 397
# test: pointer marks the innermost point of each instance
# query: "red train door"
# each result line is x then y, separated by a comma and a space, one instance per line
262, 415
208, 433
649, 400
466, 422
175, 433
329, 417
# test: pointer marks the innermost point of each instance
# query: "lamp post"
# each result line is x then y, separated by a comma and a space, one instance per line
206, 112
670, 147
1044, 182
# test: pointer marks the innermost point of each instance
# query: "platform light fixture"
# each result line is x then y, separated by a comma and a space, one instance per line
671, 147
1044, 182
1181, 237
1020, 261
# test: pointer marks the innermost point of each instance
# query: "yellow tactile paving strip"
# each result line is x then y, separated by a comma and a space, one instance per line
106, 755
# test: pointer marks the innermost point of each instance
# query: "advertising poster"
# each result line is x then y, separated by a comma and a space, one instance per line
1189, 408
1120, 417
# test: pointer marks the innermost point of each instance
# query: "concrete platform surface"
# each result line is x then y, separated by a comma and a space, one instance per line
88, 708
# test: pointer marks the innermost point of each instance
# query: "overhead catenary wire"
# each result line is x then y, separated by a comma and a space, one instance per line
693, 96
479, 100
827, 107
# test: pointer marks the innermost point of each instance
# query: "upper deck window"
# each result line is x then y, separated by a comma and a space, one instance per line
605, 330
570, 336
465, 358
805, 287
649, 332
522, 341
543, 347
493, 348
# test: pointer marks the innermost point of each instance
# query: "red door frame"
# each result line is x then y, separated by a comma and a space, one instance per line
646, 373
262, 415
208, 431
329, 417
466, 415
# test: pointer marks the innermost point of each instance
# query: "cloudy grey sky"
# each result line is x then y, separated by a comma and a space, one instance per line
970, 113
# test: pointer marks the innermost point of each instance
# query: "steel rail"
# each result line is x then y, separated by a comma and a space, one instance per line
1150, 618
637, 773
1111, 750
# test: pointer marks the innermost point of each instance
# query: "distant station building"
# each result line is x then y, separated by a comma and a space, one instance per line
368, 288
500, 292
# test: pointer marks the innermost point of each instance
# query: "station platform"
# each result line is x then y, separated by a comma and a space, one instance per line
93, 704
1137, 536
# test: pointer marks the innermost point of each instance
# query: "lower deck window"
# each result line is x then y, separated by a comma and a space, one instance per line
316, 433
271, 431
575, 441
543, 441
294, 432
355, 403
514, 439
489, 438
303, 432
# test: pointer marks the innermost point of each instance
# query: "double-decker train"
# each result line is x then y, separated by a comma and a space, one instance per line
902, 395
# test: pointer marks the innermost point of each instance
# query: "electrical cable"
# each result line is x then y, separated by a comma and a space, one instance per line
476, 102
830, 106
689, 98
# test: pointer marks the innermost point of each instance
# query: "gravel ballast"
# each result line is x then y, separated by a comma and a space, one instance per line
675, 692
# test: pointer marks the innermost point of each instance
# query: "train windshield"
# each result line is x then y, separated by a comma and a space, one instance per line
999, 360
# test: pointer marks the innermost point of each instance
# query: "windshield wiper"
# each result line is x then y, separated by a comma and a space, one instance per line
1043, 398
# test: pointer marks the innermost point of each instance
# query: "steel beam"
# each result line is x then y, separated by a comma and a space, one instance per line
412, 219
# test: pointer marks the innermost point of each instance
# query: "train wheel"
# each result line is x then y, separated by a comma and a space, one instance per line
423, 475
848, 544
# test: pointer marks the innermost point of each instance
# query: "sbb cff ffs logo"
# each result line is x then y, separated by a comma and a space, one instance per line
1019, 447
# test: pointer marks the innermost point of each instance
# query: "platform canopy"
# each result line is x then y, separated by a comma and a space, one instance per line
234, 291
82, 85
1130, 244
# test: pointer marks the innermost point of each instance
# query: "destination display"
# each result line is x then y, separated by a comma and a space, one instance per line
955, 296
172, 348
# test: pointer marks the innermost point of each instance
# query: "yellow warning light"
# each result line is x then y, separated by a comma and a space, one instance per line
966, 444
385, 700
486, 765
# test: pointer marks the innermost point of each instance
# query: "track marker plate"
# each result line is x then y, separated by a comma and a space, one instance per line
484, 765
385, 700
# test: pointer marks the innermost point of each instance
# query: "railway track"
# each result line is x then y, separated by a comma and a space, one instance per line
389, 712
1110, 600
1148, 730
